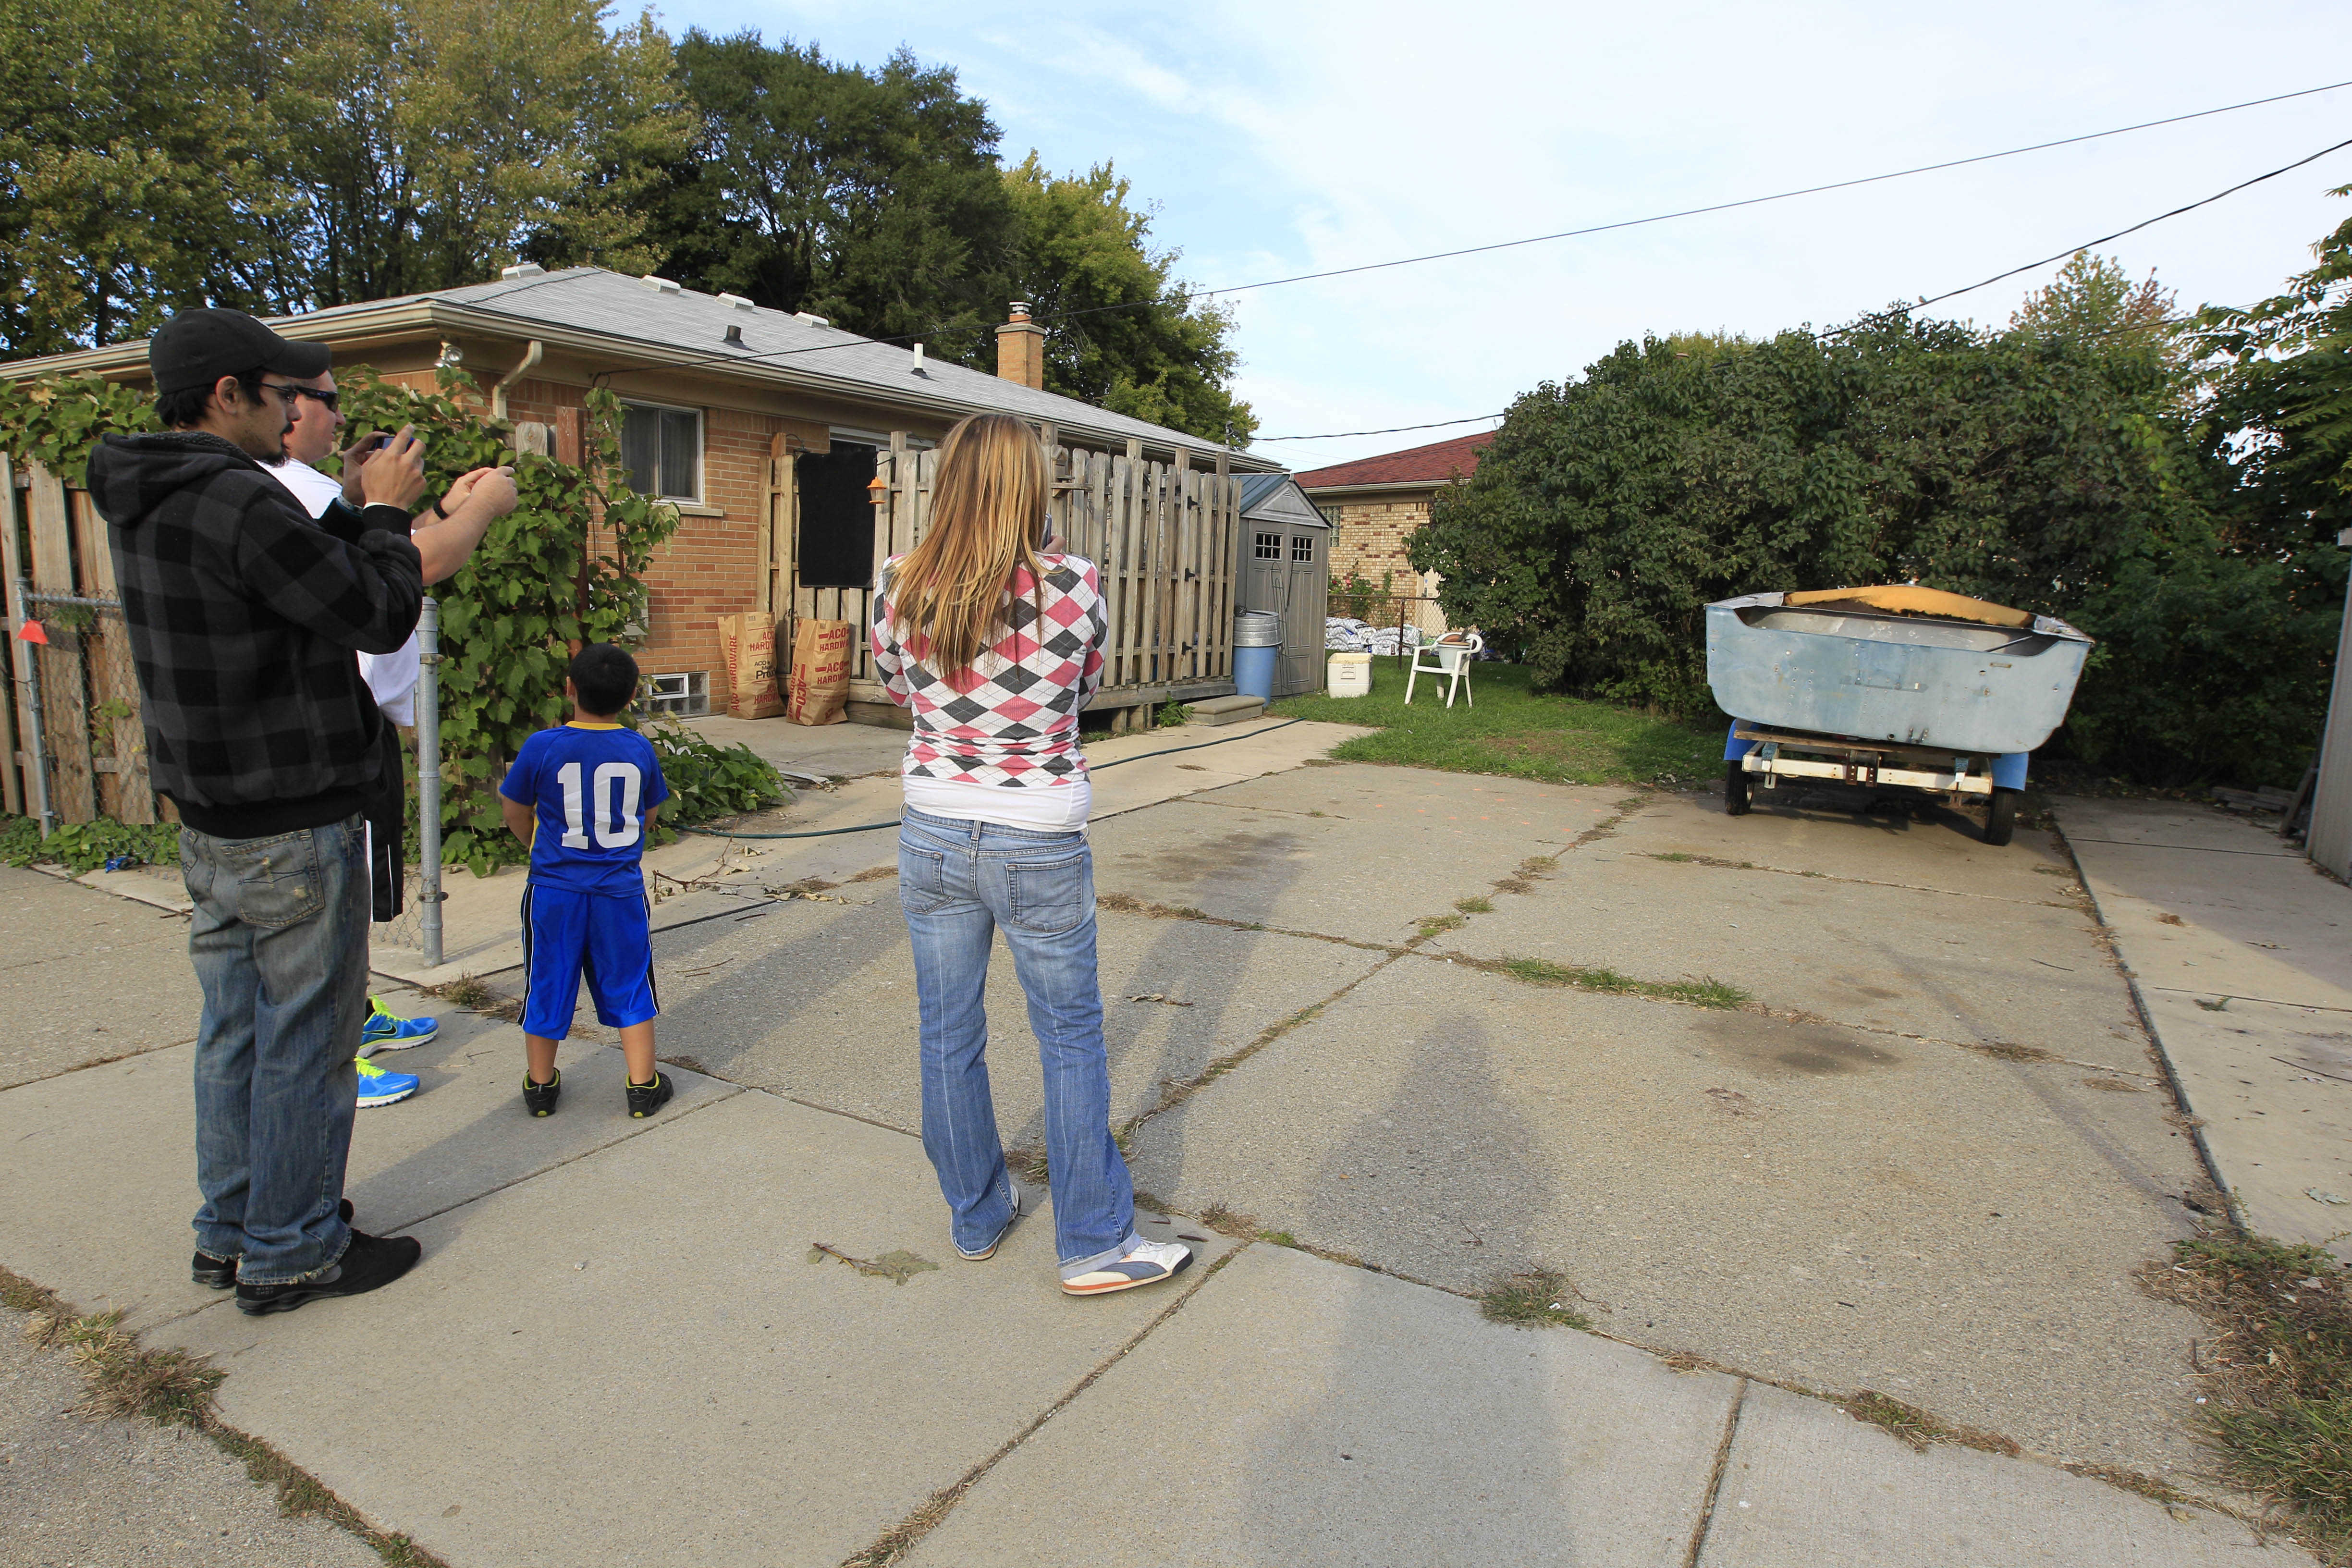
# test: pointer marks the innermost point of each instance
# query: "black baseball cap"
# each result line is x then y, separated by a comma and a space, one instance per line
196, 348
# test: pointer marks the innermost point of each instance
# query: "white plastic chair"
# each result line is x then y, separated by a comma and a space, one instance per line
1450, 658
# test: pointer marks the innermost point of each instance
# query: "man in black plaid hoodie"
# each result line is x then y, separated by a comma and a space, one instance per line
245, 617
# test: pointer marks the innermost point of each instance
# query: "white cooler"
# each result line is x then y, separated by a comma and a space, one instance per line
1349, 674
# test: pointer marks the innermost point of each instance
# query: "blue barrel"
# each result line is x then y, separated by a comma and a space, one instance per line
1254, 672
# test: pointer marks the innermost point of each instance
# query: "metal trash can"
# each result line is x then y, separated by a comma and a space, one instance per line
1257, 649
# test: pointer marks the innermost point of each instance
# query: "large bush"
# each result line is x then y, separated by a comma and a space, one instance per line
2057, 470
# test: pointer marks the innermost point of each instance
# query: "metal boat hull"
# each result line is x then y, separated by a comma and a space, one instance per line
1950, 684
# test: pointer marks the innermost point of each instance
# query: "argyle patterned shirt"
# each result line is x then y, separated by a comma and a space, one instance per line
1013, 717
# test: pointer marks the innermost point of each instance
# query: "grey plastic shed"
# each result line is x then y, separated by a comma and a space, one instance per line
1286, 568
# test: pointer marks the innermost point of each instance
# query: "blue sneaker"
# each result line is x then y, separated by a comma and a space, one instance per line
381, 1087
385, 1031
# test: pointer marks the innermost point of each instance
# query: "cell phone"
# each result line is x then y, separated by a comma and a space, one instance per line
369, 443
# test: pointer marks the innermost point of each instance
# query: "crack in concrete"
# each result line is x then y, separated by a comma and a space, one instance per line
1715, 862
897, 1542
100, 1062
1714, 1478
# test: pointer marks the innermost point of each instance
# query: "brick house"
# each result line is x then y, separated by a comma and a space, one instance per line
765, 428
1376, 503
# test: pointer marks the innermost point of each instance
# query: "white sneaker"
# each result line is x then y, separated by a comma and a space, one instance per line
1143, 1263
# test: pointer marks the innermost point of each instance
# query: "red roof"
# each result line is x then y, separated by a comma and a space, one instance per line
1433, 464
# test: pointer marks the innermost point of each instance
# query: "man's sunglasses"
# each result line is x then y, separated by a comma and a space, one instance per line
287, 391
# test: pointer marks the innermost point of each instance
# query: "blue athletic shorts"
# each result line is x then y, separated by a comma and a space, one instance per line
605, 939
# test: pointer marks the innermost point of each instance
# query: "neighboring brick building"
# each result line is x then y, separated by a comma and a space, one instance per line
1376, 503
761, 426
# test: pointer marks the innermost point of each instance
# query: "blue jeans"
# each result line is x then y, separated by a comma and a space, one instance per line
960, 881
280, 943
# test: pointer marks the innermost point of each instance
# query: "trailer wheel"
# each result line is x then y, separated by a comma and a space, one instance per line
1735, 788
2001, 816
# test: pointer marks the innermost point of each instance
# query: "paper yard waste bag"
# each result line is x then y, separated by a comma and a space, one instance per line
748, 644
819, 686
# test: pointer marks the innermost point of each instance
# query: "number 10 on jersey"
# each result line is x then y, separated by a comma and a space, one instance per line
615, 820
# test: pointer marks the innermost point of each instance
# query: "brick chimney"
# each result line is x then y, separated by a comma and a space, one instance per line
1021, 348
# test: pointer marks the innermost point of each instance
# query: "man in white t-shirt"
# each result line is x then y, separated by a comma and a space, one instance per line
443, 542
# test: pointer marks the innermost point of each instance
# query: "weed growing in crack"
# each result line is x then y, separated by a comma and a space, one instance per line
1700, 993
466, 991
2280, 1371
1532, 1299
1278, 1238
1919, 1427
1675, 856
1474, 906
1435, 925
169, 1387
1536, 865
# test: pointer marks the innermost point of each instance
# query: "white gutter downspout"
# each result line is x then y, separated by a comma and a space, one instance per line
499, 393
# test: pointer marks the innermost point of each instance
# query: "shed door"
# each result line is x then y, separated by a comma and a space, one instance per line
1306, 590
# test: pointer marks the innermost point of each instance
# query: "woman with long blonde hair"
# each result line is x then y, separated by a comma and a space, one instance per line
993, 638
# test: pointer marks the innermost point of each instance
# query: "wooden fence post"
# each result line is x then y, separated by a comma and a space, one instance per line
14, 724
63, 703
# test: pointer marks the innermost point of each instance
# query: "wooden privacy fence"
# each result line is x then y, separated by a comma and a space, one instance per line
1165, 537
59, 573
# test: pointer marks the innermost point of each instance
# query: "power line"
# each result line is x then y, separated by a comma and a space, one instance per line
1185, 298
1394, 429
1780, 196
2192, 206
1936, 298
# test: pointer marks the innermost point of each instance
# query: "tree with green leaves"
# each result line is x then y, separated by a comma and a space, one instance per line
133, 168
1120, 330
870, 197
2052, 467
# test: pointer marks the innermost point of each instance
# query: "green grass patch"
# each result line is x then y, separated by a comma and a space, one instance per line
1532, 1301
1433, 925
2279, 1375
1480, 906
1701, 993
1515, 732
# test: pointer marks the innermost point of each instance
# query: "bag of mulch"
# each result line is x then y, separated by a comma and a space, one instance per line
747, 643
818, 690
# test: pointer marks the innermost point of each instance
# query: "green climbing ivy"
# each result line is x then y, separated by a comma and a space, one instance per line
566, 566
56, 420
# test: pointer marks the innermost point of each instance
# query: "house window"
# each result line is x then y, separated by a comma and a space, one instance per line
662, 450
1302, 547
1269, 547
837, 533
685, 693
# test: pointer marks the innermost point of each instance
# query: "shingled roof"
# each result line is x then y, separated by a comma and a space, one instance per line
660, 325
1435, 464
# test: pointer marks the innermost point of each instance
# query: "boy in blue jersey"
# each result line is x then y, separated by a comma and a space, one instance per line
582, 798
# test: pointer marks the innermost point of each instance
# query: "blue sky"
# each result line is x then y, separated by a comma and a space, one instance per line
1280, 137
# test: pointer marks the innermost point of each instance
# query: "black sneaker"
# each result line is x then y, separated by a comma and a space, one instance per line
220, 1273
538, 1098
369, 1262
645, 1099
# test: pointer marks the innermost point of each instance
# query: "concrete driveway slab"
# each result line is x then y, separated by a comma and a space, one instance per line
1837, 1209
1367, 792
2273, 1085
87, 977
102, 1493
113, 1147
816, 1001
1807, 1486
629, 1359
1972, 969
1363, 878
2240, 954
1298, 1412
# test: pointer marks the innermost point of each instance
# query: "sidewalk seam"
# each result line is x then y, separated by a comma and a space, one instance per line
100, 1062
931, 1513
2155, 1036
1715, 1479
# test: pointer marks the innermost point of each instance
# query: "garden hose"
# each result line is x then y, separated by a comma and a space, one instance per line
876, 827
